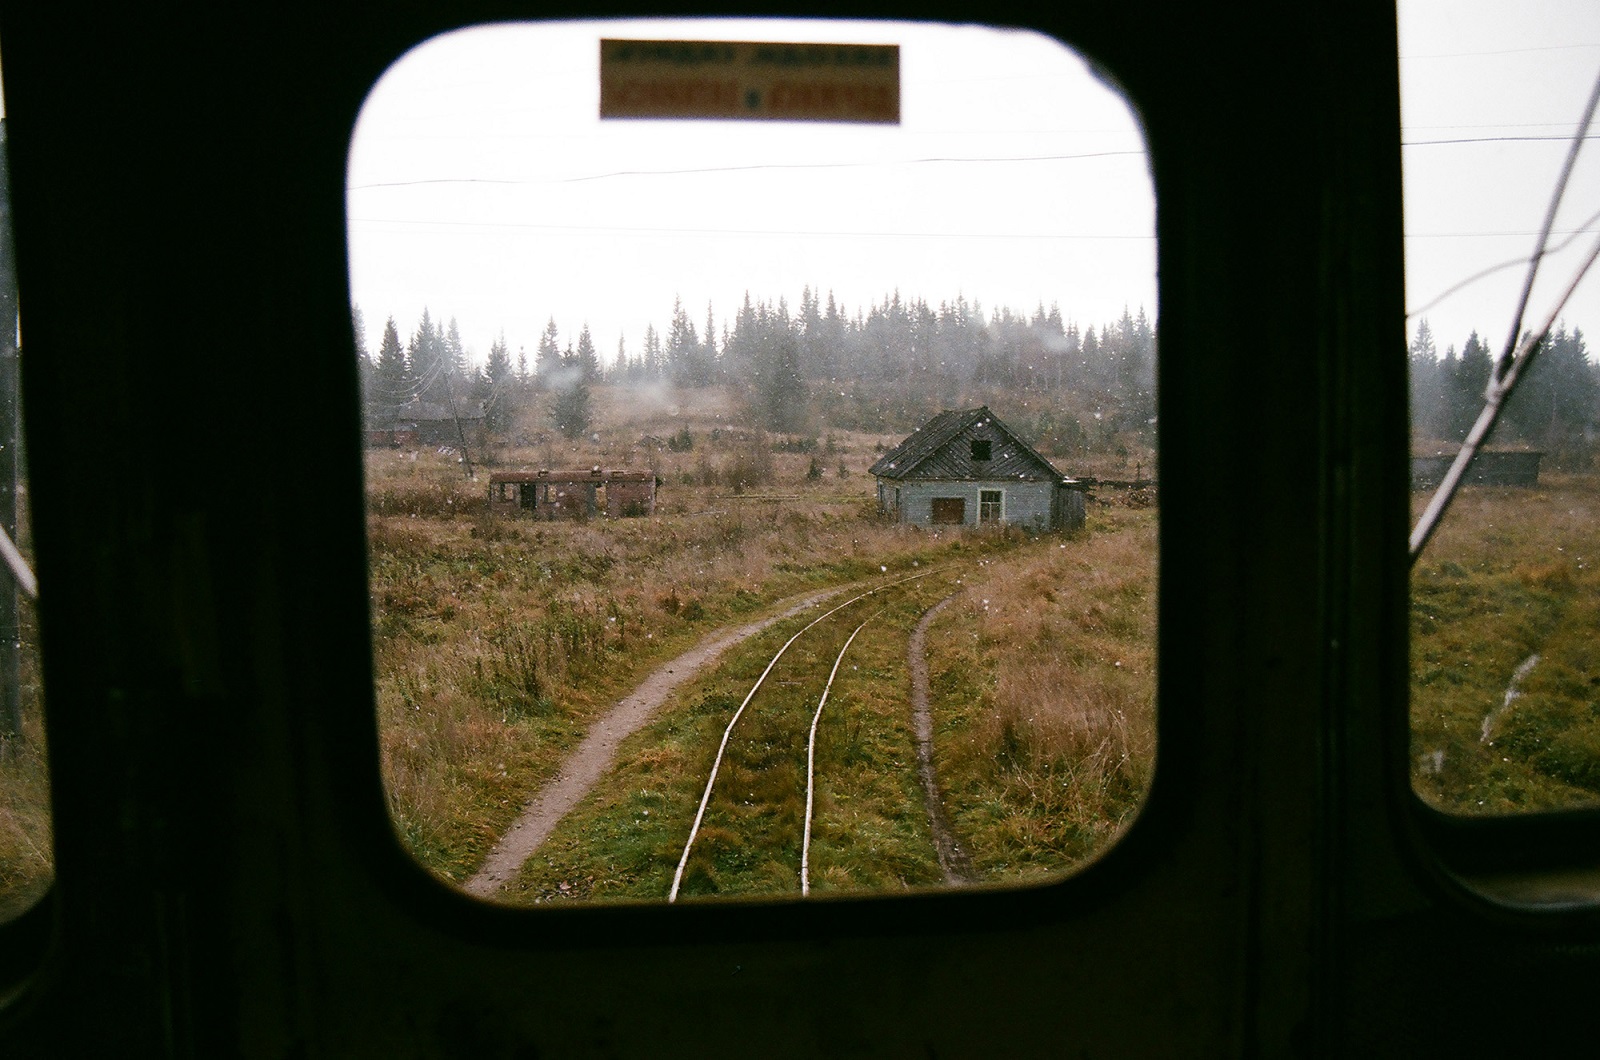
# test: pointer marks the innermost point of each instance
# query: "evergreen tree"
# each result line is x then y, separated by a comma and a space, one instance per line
1467, 386
455, 352
586, 360
1427, 389
497, 372
830, 345
393, 372
365, 368
426, 353
569, 409
1091, 367
654, 359
708, 354
685, 356
1555, 399
548, 359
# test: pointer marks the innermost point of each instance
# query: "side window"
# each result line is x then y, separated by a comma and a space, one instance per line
1505, 595
687, 576
26, 861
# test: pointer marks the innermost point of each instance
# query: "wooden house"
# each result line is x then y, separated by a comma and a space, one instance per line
966, 468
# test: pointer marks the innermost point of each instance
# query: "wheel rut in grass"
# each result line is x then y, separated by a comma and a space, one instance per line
953, 860
593, 757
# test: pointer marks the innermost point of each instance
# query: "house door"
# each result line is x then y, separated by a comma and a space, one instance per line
949, 511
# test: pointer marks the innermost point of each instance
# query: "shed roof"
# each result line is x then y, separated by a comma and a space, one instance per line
572, 475
931, 451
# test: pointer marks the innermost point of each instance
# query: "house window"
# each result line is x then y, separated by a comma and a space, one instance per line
949, 511
989, 505
980, 450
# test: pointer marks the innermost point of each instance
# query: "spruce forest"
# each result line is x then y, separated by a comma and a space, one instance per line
886, 368
1554, 408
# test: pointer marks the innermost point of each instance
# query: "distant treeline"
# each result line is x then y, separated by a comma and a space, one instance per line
794, 367
1555, 407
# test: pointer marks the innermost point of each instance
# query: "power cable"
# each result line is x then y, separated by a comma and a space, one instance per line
952, 160
1516, 358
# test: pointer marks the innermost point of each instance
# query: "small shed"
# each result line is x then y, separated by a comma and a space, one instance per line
1491, 467
966, 468
576, 494
419, 422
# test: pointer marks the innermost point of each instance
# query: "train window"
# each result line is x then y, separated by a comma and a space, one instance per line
26, 863
1505, 597
757, 506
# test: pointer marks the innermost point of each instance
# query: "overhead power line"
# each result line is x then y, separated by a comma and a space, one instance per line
1497, 139
1520, 349
954, 160
628, 230
1510, 263
1503, 51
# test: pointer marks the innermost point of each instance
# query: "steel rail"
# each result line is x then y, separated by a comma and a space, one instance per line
811, 758
716, 764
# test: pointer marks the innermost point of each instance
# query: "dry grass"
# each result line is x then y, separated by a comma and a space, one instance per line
870, 831
1044, 697
26, 859
1512, 574
498, 641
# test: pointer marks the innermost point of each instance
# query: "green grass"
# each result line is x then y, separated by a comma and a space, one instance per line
1512, 574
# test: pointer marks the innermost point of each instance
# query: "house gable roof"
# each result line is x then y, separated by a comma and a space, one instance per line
940, 450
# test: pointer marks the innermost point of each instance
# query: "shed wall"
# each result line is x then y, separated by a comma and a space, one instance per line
1495, 468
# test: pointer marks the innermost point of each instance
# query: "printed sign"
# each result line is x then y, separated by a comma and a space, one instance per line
743, 79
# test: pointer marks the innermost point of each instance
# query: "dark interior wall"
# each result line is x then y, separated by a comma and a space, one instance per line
178, 184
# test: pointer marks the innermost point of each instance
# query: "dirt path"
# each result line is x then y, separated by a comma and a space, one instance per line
593, 757
953, 860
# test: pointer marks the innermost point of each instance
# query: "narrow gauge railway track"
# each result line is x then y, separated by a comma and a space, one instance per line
817, 684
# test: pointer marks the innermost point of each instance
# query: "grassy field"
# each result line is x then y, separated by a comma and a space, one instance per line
1044, 690
1043, 686
1505, 662
498, 642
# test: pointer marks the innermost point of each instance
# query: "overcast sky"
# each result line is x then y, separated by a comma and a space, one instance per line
484, 186
1491, 94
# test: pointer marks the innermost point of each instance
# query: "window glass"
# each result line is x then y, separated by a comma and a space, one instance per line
1505, 603
26, 862
756, 507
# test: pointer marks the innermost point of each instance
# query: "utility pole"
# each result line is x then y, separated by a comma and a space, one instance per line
10, 639
450, 389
